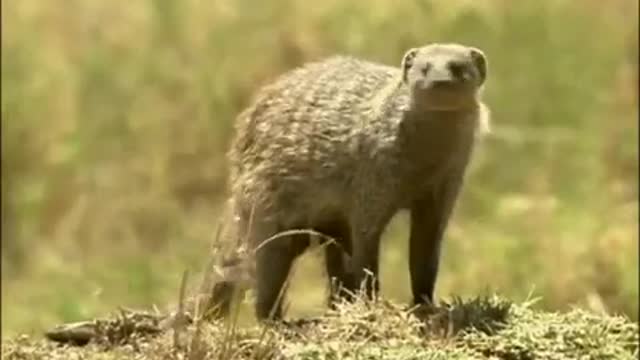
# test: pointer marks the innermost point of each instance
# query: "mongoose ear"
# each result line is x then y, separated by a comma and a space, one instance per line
407, 62
481, 63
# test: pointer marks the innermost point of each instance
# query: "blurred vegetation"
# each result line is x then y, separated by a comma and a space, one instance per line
116, 116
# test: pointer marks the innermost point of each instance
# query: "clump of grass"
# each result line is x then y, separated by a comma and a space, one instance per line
577, 334
484, 314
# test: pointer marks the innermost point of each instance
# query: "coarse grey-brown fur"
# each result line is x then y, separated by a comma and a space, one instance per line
340, 146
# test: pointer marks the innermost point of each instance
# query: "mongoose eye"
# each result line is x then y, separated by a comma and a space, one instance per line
458, 70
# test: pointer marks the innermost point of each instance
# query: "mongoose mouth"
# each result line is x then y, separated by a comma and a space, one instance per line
447, 99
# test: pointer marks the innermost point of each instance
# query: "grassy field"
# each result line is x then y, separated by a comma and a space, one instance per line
116, 116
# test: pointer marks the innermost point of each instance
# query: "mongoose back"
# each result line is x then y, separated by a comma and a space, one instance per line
341, 145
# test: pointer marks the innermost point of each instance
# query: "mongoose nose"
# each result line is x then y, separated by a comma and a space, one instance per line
444, 83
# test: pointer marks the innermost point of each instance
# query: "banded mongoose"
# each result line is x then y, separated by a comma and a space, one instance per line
341, 145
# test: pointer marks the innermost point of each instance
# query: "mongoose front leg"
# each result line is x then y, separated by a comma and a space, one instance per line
429, 217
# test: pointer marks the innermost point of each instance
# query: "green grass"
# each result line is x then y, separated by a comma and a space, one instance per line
116, 116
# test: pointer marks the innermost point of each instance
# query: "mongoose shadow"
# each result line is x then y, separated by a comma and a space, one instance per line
339, 146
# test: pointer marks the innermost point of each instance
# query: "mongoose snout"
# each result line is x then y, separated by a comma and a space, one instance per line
446, 77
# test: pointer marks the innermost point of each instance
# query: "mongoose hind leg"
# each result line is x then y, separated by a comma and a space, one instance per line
273, 265
220, 300
222, 293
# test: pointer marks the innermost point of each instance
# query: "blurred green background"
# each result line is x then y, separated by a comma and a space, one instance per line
116, 116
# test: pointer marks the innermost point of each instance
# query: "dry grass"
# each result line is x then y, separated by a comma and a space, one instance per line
116, 116
478, 328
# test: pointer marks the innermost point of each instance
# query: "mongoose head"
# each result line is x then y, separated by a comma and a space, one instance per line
444, 77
